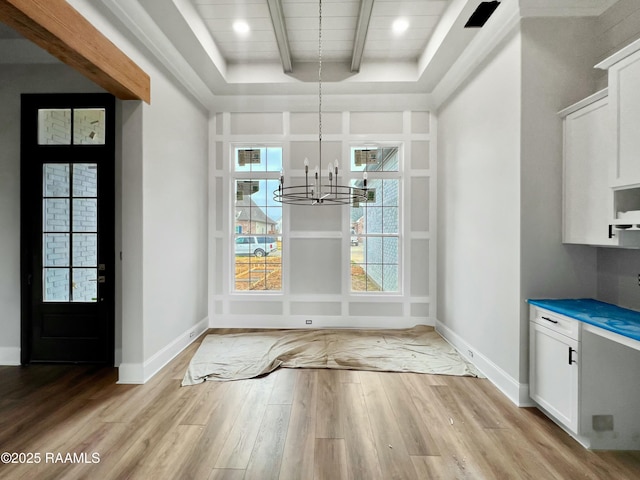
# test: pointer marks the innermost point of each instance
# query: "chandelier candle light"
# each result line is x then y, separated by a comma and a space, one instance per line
316, 193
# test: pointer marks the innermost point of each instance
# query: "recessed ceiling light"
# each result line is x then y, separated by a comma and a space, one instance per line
400, 26
241, 27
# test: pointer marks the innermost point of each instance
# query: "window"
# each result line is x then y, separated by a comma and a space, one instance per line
257, 242
375, 225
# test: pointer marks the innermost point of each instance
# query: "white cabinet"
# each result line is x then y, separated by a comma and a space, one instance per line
624, 78
594, 213
587, 196
554, 356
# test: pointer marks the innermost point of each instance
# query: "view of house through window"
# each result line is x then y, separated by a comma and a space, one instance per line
257, 239
375, 224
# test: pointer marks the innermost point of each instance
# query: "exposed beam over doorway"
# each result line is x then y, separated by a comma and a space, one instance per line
62, 31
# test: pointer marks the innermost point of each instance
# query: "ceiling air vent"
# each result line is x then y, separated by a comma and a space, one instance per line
481, 15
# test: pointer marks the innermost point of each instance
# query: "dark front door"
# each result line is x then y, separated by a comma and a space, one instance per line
67, 227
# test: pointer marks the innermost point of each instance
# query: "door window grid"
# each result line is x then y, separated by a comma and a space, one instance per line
69, 233
61, 126
257, 238
375, 240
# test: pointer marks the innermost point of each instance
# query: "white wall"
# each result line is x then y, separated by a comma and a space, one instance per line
557, 71
14, 80
517, 93
614, 29
175, 228
479, 209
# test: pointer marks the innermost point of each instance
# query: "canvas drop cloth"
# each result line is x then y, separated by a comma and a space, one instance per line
246, 355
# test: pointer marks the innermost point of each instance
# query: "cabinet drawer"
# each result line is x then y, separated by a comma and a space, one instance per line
556, 322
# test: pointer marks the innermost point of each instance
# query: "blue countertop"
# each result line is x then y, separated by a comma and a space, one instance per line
600, 314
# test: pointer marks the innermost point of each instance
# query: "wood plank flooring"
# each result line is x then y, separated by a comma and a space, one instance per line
292, 424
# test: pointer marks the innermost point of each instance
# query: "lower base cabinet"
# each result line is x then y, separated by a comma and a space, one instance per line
587, 384
554, 367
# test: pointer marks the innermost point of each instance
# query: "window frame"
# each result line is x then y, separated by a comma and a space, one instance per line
234, 176
379, 175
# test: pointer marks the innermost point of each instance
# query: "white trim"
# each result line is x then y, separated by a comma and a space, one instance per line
319, 321
10, 356
142, 26
584, 102
517, 392
137, 373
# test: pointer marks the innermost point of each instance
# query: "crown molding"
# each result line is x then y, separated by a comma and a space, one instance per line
142, 26
501, 24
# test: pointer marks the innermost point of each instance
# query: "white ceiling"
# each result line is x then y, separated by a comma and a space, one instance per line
195, 40
271, 60
340, 18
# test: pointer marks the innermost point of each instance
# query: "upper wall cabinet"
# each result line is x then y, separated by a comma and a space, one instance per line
587, 197
624, 101
594, 213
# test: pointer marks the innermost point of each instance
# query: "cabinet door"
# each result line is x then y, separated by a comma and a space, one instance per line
553, 374
624, 79
588, 198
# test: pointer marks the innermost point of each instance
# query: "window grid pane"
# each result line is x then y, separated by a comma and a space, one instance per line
375, 225
64, 215
257, 239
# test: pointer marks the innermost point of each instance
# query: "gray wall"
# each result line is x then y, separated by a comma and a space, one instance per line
618, 272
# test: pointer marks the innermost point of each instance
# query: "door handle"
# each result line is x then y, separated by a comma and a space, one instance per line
102, 279
571, 360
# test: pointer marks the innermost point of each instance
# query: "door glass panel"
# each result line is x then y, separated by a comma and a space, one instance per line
85, 250
55, 250
88, 126
85, 285
56, 179
85, 180
69, 237
56, 284
54, 126
85, 215
56, 215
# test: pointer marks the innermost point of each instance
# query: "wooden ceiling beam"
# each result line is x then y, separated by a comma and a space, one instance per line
63, 32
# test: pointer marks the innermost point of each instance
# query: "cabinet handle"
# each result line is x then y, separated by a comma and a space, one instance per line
549, 320
571, 360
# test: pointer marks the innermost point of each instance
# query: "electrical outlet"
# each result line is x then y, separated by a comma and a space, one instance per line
308, 322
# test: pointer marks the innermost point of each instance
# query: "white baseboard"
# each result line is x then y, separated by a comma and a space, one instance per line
10, 356
318, 321
517, 392
138, 373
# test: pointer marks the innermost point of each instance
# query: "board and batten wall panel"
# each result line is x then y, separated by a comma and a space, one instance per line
307, 122
316, 247
256, 123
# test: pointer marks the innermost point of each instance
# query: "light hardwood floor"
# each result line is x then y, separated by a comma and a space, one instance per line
292, 424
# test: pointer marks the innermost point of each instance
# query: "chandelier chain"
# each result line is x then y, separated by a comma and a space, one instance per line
315, 192
320, 84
